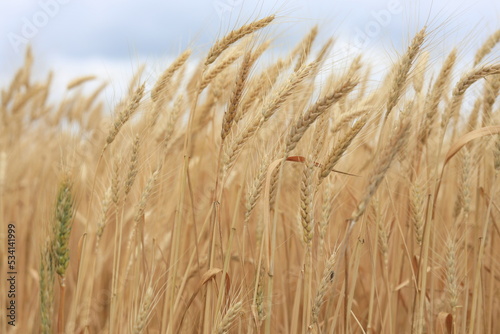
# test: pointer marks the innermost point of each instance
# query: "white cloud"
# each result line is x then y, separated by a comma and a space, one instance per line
117, 32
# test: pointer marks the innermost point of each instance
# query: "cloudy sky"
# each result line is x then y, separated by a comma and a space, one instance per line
111, 38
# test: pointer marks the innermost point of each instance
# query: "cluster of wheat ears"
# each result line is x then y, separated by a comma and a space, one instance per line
257, 196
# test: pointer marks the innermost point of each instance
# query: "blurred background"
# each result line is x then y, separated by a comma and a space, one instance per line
113, 38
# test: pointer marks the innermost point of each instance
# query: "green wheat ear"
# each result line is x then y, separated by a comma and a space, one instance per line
46, 288
62, 226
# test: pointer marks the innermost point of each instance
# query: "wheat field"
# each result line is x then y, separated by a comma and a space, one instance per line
257, 194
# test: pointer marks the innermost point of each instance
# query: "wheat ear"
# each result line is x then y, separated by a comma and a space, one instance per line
274, 102
491, 90
105, 205
339, 149
164, 79
402, 69
144, 311
125, 114
227, 321
463, 84
417, 210
234, 36
306, 203
218, 68
134, 161
46, 287
303, 123
436, 94
79, 81
474, 114
486, 48
236, 95
452, 284
325, 284
63, 221
305, 47
396, 144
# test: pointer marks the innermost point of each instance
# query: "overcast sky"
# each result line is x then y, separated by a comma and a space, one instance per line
111, 37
